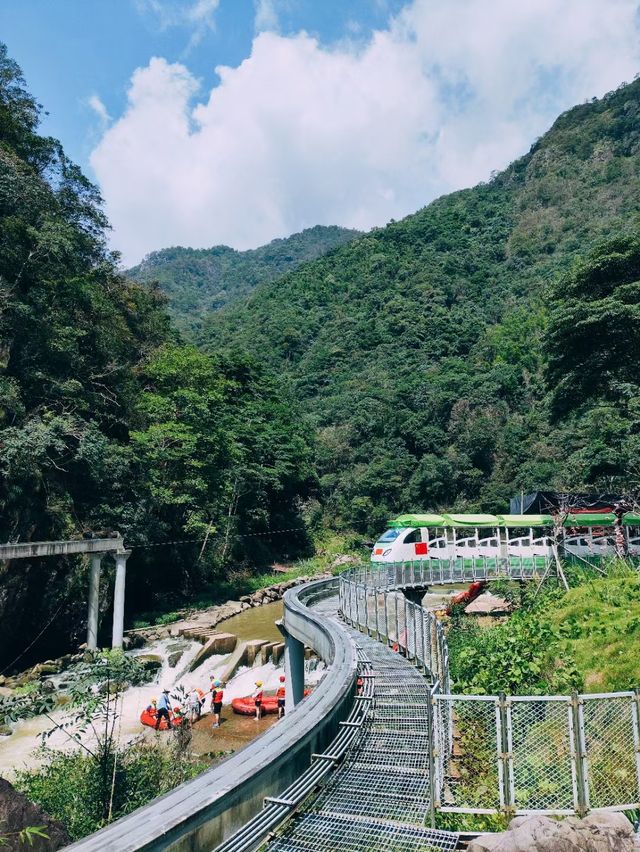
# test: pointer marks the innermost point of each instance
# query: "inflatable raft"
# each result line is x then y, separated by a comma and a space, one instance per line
148, 717
247, 706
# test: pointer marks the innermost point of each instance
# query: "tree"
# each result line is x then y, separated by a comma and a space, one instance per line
592, 342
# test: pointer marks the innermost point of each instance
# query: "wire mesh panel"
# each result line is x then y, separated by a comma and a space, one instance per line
542, 770
469, 748
610, 732
317, 832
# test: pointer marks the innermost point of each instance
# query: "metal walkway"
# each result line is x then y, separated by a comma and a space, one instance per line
379, 798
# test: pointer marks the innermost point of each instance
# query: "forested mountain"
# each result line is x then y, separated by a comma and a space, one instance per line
106, 421
197, 281
439, 358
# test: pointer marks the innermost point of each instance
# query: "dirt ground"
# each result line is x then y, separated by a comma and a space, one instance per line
234, 733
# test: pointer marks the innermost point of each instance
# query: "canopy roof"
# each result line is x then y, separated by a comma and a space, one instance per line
604, 519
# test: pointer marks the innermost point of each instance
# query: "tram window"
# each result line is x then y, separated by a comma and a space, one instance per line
390, 535
412, 537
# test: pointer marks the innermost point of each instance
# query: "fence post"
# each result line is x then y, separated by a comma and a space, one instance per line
432, 761
636, 731
580, 755
505, 738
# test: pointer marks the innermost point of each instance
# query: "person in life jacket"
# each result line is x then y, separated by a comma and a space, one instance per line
280, 695
217, 694
153, 707
257, 696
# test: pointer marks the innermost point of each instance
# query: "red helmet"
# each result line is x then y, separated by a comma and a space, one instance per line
281, 678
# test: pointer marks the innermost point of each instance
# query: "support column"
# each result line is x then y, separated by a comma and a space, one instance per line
118, 598
94, 602
414, 595
294, 671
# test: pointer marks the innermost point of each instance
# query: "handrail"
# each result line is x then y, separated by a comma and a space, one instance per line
601, 732
201, 813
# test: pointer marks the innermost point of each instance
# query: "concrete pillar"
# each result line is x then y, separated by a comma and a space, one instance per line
94, 602
118, 597
294, 671
415, 595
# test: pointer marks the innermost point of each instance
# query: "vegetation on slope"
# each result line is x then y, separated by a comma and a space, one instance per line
197, 281
428, 353
107, 422
555, 641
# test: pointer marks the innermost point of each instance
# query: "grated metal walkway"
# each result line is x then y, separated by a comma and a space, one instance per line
379, 798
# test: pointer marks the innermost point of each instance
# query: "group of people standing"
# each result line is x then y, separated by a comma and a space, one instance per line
198, 699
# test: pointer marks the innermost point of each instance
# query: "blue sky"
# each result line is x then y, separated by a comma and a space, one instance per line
70, 50
238, 121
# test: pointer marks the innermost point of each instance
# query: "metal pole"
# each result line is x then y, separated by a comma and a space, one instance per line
432, 762
580, 755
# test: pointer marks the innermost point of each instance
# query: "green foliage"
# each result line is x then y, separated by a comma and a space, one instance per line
107, 422
598, 624
69, 786
24, 837
419, 350
584, 638
196, 281
167, 618
23, 704
521, 656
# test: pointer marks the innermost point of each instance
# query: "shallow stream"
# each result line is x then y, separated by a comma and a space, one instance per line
18, 751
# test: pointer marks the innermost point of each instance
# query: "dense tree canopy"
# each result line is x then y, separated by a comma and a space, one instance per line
418, 351
106, 421
196, 281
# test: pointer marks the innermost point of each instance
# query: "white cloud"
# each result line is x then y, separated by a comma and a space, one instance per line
300, 134
198, 15
266, 16
99, 108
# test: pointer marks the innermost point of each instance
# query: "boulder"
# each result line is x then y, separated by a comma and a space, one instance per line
598, 832
487, 604
174, 658
17, 812
150, 662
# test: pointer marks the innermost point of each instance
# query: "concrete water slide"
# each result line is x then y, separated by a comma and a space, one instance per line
200, 814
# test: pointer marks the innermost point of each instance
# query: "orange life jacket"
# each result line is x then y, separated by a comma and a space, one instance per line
281, 692
218, 695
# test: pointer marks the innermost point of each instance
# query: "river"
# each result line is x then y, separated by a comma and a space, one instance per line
19, 750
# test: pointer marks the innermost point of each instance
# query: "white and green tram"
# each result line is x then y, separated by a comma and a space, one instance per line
481, 539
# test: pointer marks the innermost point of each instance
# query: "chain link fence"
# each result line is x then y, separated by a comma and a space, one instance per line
553, 754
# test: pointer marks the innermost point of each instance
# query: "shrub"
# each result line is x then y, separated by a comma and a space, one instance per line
69, 785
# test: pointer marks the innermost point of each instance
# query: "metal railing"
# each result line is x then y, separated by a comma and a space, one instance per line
554, 754
439, 572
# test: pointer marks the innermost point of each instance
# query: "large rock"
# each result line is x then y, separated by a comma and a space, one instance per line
598, 832
17, 812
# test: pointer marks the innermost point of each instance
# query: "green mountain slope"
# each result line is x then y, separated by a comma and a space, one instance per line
417, 348
107, 423
197, 281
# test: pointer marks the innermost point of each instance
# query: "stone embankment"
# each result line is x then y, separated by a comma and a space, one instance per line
598, 832
197, 624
